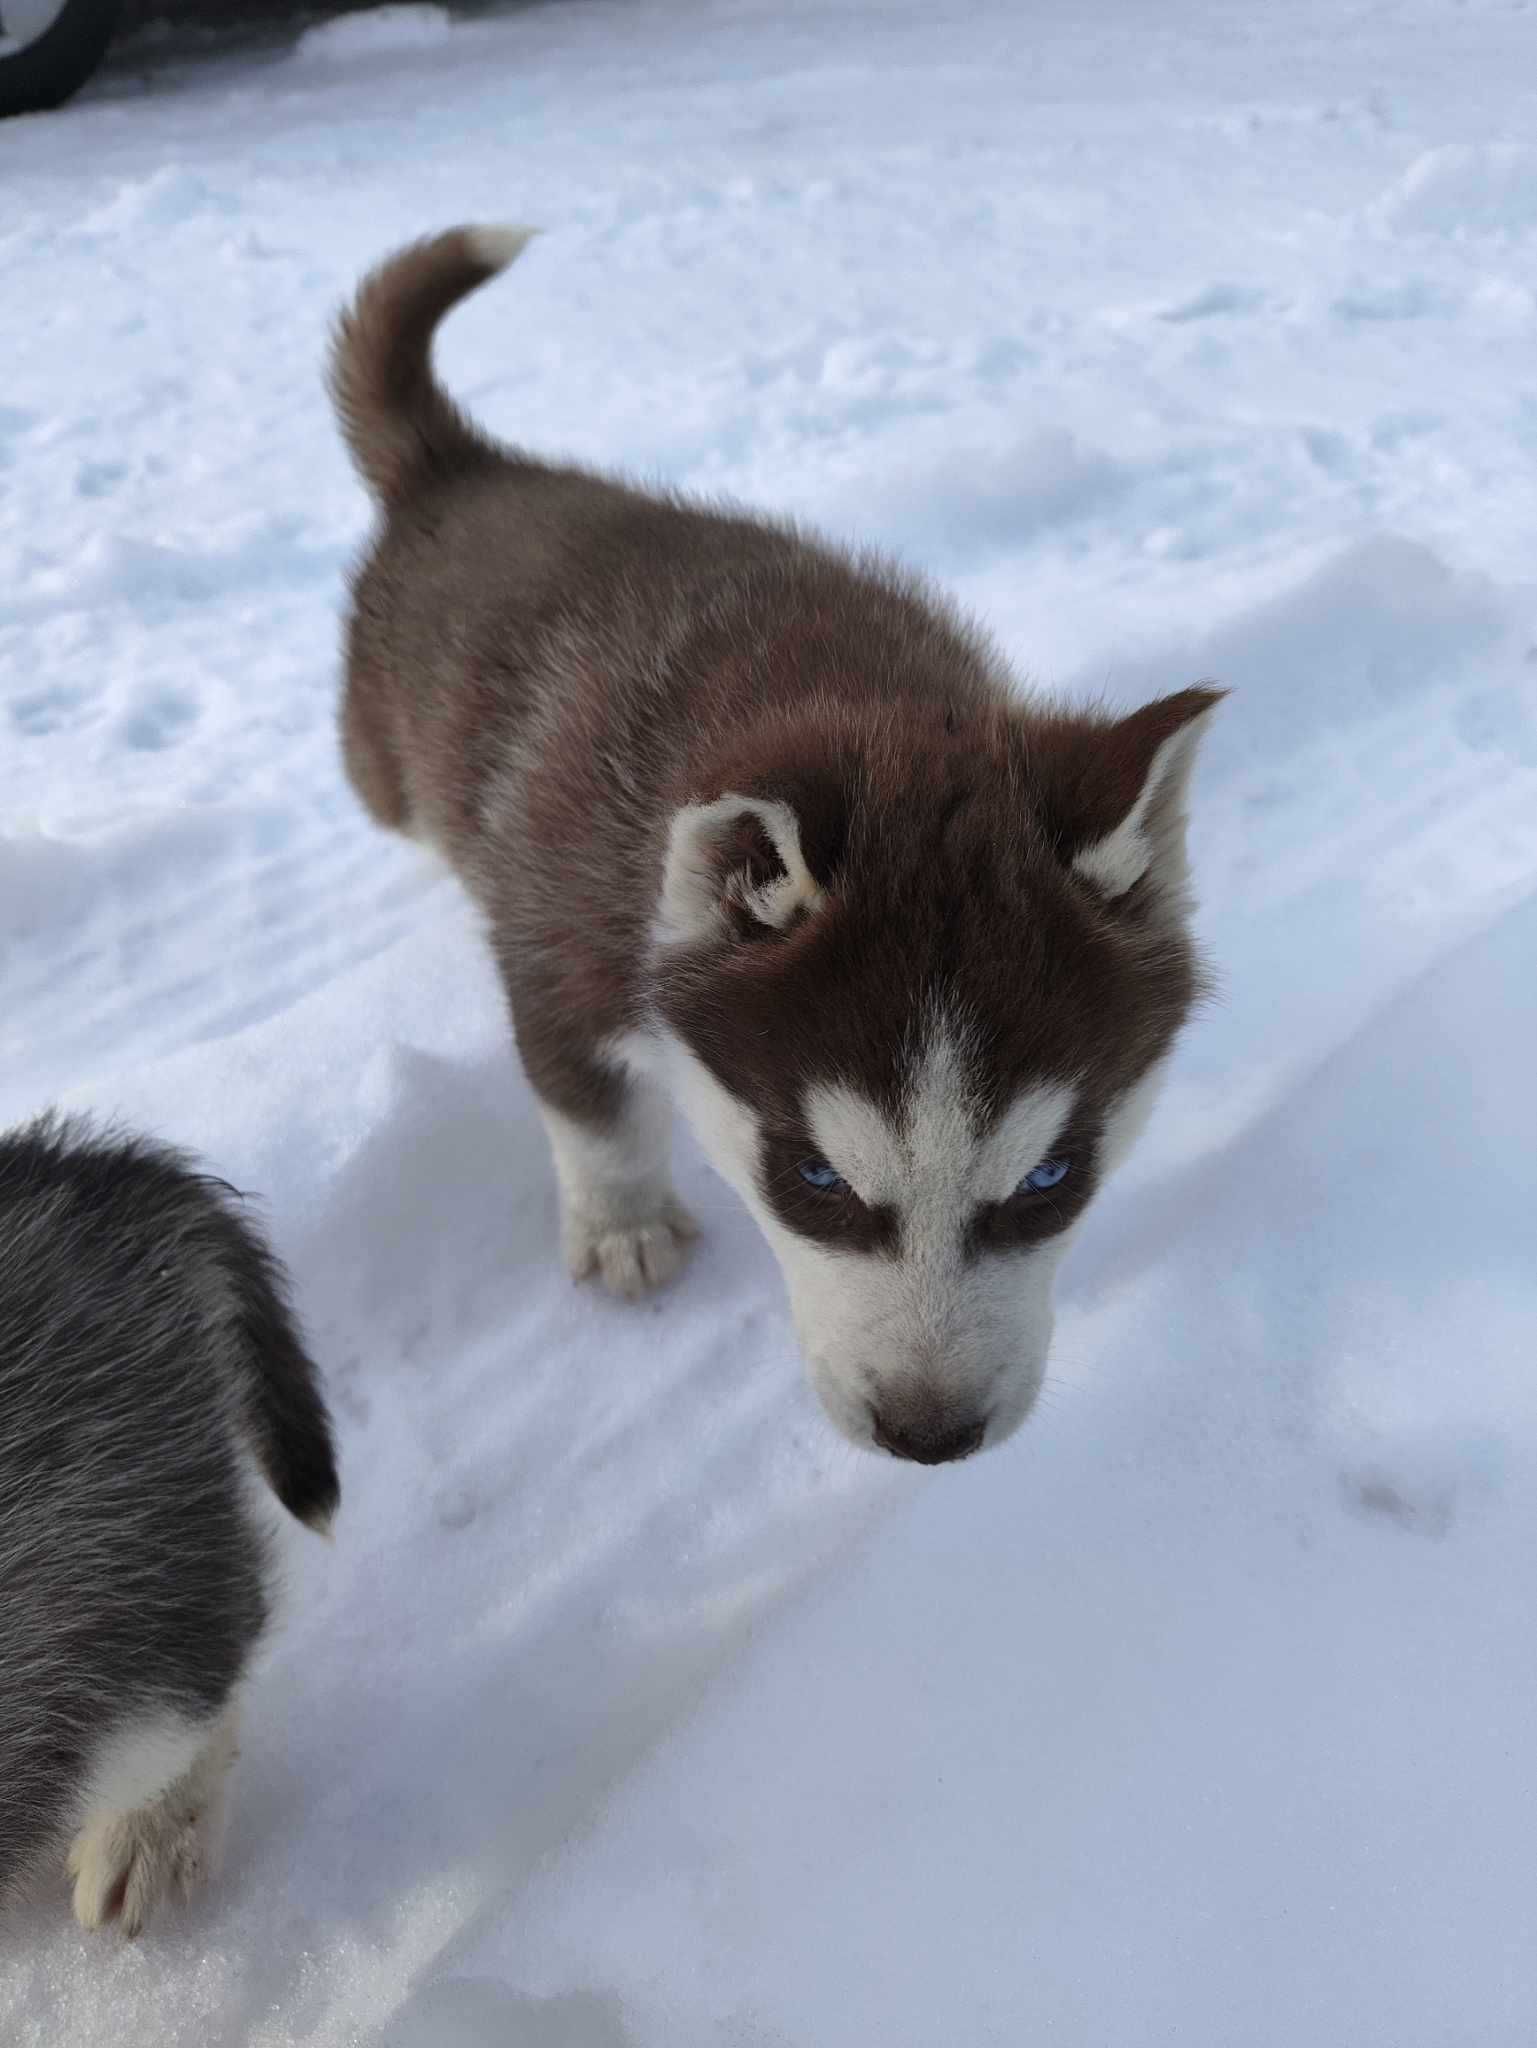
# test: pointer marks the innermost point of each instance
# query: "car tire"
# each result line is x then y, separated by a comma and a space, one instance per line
44, 72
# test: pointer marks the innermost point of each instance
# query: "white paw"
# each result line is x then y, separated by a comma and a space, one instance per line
633, 1255
126, 1864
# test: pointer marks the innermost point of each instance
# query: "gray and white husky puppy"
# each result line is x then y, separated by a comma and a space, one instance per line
153, 1386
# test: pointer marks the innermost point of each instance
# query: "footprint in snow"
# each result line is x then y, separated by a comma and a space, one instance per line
455, 1508
1427, 1509
99, 479
1214, 302
46, 711
13, 424
159, 723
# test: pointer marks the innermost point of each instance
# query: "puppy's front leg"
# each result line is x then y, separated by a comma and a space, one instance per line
619, 1216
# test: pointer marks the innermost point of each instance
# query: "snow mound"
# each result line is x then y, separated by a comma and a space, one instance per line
377, 32
1464, 188
168, 198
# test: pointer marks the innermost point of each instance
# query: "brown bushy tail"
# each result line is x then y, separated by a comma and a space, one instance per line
396, 418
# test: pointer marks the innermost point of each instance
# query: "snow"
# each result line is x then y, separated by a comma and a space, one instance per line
1465, 189
631, 1709
1249, 1760
379, 31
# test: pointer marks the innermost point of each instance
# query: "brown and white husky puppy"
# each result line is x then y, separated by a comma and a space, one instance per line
767, 829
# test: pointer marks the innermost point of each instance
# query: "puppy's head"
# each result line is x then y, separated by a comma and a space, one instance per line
916, 985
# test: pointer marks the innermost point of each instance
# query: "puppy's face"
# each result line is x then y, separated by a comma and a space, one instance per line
916, 1051
919, 1237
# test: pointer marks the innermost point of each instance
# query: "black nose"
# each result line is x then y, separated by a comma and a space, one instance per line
927, 1440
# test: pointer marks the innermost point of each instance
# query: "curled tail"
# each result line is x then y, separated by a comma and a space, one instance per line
395, 416
292, 1429
284, 1407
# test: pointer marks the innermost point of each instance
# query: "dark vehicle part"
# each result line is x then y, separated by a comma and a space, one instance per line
49, 48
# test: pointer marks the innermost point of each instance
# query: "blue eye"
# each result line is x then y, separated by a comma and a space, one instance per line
1049, 1174
816, 1173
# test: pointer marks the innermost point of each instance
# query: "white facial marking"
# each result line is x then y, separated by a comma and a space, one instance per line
1024, 1137
934, 1161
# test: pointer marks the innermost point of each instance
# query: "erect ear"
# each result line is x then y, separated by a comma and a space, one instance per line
1121, 800
734, 865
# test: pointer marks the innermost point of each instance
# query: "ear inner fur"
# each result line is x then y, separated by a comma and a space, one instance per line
709, 869
1149, 838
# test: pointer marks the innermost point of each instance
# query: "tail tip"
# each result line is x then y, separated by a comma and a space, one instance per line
498, 243
306, 1480
315, 1504
321, 1521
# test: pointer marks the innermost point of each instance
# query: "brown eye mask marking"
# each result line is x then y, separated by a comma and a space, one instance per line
1033, 1215
830, 1214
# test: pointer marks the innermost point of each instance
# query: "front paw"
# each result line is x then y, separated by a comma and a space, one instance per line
125, 1865
631, 1255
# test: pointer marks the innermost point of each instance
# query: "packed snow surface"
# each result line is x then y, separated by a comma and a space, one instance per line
631, 1709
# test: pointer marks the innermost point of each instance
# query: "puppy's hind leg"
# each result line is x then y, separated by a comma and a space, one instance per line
153, 1817
369, 750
